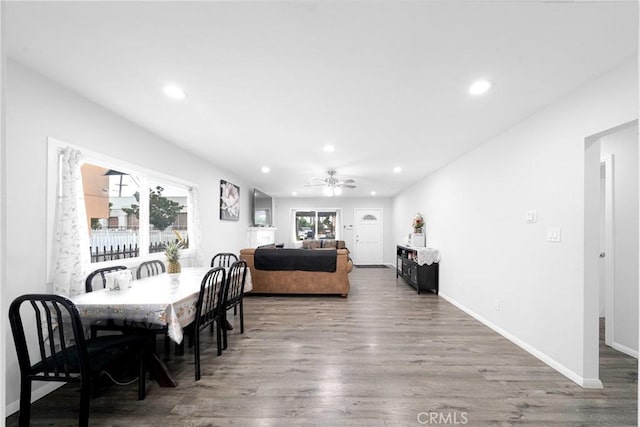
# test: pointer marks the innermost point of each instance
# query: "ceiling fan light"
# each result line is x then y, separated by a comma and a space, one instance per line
337, 191
327, 191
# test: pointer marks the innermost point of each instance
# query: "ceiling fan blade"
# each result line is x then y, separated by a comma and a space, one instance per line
316, 185
348, 181
348, 186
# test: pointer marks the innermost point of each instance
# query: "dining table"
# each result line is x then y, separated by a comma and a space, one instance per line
164, 299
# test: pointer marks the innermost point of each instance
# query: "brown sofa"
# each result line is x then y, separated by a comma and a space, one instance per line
298, 281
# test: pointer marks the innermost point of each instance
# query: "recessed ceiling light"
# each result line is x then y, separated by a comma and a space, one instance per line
397, 169
265, 169
479, 87
373, 193
329, 148
295, 193
174, 92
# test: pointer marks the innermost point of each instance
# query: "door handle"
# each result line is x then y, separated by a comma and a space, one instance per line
602, 254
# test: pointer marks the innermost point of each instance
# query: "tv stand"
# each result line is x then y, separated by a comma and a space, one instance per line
421, 277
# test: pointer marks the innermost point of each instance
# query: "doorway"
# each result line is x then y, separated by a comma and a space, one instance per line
368, 236
611, 245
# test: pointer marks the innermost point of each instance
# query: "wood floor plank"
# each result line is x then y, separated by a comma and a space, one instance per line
383, 357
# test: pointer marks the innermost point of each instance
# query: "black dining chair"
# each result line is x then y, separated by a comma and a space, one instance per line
150, 268
223, 259
97, 280
209, 310
147, 269
97, 277
51, 346
233, 294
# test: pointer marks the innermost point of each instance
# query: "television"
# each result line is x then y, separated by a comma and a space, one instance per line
262, 209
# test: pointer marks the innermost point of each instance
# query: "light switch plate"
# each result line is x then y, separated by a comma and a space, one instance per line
531, 217
553, 234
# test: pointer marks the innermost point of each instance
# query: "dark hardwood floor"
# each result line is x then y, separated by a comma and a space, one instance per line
384, 356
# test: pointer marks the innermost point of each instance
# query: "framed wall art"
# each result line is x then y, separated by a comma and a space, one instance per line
229, 201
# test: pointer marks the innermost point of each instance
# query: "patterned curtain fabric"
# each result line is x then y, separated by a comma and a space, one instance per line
71, 258
195, 232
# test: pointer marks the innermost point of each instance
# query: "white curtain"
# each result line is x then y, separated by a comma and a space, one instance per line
195, 231
292, 227
71, 258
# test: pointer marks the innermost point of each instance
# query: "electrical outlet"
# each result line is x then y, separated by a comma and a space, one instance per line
496, 304
553, 234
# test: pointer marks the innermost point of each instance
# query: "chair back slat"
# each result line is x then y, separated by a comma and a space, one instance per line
235, 282
100, 273
41, 340
211, 297
224, 259
150, 268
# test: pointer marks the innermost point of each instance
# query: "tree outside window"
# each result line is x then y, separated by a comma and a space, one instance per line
316, 224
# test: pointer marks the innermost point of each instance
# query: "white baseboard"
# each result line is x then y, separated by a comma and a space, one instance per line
36, 394
581, 381
624, 349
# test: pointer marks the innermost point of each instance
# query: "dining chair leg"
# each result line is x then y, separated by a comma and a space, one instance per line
142, 372
241, 317
224, 329
85, 396
219, 330
25, 403
196, 352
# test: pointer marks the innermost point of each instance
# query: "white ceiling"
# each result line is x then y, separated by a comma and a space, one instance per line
270, 83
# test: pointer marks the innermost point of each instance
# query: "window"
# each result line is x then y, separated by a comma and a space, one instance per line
115, 205
316, 224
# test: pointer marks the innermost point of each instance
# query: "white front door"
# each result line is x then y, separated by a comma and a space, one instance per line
368, 236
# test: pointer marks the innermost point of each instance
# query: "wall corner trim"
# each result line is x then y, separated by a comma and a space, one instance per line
581, 381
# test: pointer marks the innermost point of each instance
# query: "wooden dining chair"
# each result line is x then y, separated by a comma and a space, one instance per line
150, 268
223, 259
234, 290
209, 310
51, 346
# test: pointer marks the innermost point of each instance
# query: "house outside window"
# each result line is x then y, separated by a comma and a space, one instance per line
316, 224
120, 218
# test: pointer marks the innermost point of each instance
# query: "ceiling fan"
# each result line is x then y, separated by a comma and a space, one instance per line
331, 186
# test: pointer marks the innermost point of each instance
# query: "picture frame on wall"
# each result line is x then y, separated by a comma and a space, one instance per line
229, 201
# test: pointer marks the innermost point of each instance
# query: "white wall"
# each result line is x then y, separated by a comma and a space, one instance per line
3, 318
624, 146
37, 108
475, 214
348, 205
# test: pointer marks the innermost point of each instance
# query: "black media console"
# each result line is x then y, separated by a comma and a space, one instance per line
422, 277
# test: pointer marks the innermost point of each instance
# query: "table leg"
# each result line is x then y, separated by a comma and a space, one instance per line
160, 372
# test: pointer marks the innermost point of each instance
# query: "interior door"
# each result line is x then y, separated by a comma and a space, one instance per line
368, 236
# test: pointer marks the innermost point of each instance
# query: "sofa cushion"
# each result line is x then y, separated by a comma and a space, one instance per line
311, 244
295, 259
323, 243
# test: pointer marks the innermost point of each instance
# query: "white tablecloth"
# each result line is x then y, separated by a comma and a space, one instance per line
427, 256
163, 299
